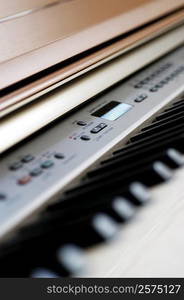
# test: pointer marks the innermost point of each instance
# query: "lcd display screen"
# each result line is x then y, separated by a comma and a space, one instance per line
112, 111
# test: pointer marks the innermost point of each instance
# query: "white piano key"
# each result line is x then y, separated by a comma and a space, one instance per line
71, 258
140, 192
152, 244
176, 156
161, 169
43, 273
124, 208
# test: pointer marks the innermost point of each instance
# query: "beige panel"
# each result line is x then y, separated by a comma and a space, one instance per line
16, 99
32, 43
11, 8
30, 119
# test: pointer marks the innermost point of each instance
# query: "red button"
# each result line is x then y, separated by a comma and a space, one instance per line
24, 179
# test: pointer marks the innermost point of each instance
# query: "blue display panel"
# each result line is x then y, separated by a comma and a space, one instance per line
112, 111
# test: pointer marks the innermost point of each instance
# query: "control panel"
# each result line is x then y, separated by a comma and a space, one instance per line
38, 169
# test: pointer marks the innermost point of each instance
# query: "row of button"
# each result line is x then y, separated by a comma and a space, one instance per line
95, 130
167, 79
27, 158
18, 164
146, 80
36, 172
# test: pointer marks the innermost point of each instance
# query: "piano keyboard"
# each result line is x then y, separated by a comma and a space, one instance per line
113, 168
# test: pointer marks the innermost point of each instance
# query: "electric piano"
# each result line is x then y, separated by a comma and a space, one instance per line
99, 191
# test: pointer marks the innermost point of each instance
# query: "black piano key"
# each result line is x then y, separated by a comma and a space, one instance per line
147, 149
166, 134
82, 207
174, 105
169, 140
85, 233
181, 101
135, 194
40, 248
172, 112
88, 205
126, 164
171, 108
15, 264
136, 160
163, 121
144, 157
156, 130
43, 262
115, 183
67, 260
75, 211
169, 114
178, 105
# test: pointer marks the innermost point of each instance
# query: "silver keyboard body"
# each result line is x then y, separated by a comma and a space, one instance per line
65, 137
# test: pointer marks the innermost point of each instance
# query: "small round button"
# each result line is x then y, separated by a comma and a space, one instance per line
153, 89
95, 130
27, 158
24, 180
163, 82
138, 86
157, 86
81, 123
172, 76
47, 164
15, 166
181, 68
59, 155
140, 98
36, 172
2, 196
160, 84
142, 82
85, 138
